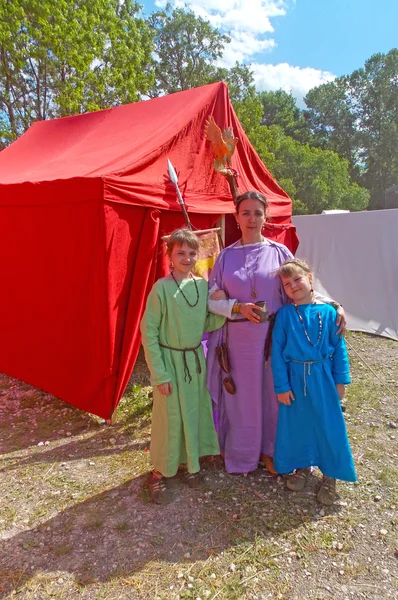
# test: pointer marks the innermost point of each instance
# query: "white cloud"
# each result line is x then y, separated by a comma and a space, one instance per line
243, 47
249, 24
296, 80
250, 14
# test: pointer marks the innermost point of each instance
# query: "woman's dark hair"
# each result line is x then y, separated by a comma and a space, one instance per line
251, 196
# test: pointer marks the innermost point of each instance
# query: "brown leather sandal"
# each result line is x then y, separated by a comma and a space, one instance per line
158, 490
194, 480
298, 480
327, 492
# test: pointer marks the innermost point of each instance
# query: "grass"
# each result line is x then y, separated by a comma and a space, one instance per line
77, 522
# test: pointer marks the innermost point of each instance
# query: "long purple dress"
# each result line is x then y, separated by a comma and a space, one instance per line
246, 420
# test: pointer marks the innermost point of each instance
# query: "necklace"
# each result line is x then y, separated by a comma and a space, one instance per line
253, 292
305, 331
186, 299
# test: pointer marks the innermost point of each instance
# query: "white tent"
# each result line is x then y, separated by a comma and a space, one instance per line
354, 257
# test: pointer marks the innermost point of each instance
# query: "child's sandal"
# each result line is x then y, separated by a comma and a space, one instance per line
327, 492
194, 480
298, 480
158, 490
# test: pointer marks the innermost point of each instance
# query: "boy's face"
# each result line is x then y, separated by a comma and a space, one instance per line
183, 258
298, 286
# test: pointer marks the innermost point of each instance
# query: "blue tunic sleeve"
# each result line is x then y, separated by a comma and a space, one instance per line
340, 362
279, 365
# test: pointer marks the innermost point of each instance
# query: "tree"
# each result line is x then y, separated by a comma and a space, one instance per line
332, 121
61, 58
315, 179
357, 116
186, 47
243, 95
280, 108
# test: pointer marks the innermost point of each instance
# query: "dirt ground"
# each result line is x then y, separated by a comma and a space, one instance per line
76, 521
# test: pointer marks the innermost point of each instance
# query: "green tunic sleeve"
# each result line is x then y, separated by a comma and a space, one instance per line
214, 322
150, 326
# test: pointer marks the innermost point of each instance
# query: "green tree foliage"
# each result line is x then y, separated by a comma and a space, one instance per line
357, 116
331, 120
243, 95
186, 47
280, 108
60, 58
315, 179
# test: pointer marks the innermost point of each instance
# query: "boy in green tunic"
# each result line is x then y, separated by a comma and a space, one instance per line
175, 318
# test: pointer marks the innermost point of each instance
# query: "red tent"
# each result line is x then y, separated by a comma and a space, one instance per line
84, 201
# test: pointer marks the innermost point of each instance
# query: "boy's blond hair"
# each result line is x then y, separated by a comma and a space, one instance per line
180, 237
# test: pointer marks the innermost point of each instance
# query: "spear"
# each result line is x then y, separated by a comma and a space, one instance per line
174, 179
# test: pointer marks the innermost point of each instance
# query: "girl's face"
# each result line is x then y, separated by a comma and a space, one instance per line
183, 259
298, 286
251, 216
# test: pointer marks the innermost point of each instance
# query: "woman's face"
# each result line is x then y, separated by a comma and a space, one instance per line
251, 216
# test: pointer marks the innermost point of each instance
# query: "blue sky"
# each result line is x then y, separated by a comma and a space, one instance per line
297, 44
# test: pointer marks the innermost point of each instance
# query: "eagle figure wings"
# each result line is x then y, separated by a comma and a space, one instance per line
224, 144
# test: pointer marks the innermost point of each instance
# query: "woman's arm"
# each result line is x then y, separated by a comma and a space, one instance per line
341, 320
219, 307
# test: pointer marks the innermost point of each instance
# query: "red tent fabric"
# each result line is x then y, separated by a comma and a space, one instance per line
84, 201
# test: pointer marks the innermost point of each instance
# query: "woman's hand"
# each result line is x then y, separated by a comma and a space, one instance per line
218, 295
286, 397
341, 321
165, 388
340, 387
247, 311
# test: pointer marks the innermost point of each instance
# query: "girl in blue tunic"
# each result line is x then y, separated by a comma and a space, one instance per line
310, 369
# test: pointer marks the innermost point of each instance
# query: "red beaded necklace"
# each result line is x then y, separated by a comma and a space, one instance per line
305, 331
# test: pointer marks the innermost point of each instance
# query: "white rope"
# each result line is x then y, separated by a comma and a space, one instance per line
390, 391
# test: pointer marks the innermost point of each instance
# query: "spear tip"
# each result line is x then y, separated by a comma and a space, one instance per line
172, 173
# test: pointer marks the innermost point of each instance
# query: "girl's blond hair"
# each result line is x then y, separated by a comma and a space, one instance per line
180, 237
291, 265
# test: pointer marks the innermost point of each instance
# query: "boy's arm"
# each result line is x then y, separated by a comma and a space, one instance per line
213, 322
150, 325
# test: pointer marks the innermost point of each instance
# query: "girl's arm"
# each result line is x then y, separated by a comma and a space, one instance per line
340, 361
150, 325
278, 363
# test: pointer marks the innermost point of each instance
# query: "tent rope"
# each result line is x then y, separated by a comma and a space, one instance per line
390, 391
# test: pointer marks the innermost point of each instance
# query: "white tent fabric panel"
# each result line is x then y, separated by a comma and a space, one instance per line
354, 257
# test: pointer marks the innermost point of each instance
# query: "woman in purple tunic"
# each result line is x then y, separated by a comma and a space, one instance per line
246, 273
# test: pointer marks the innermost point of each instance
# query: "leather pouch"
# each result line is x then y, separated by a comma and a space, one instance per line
229, 385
